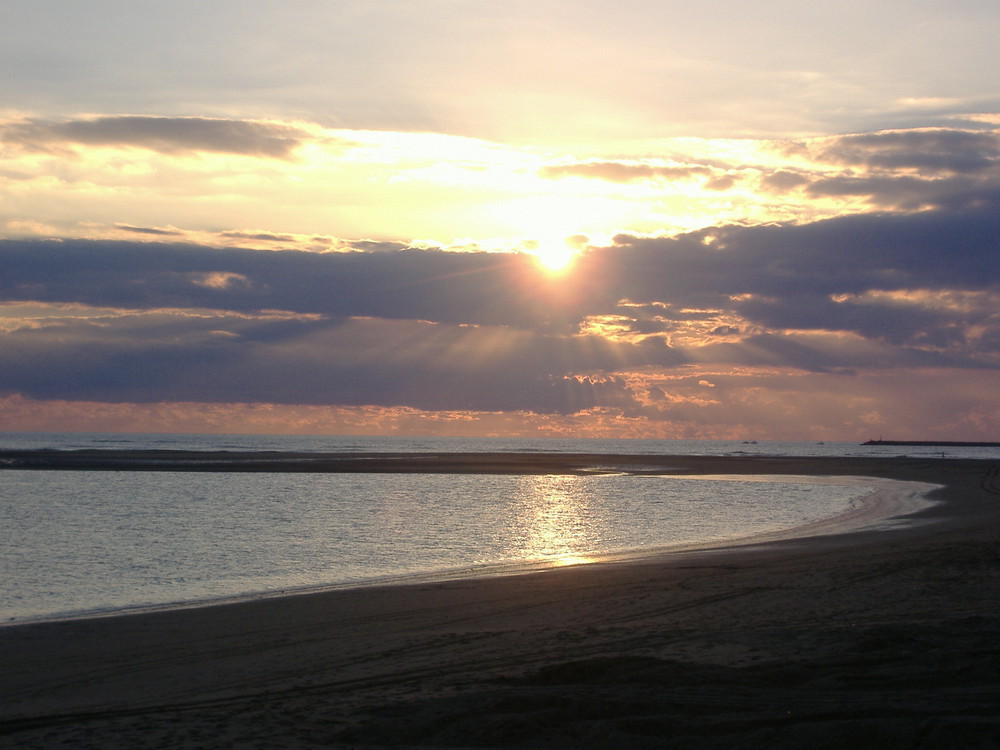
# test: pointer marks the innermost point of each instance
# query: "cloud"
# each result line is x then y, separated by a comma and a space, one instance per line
173, 356
782, 403
902, 170
614, 171
725, 182
907, 193
783, 180
169, 135
259, 236
849, 254
779, 277
160, 231
878, 278
924, 150
450, 287
385, 324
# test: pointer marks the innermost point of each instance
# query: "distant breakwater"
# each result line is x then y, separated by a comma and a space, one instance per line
935, 443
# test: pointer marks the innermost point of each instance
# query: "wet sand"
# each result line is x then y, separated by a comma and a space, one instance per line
880, 638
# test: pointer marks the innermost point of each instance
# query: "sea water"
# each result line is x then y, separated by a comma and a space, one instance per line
85, 542
400, 444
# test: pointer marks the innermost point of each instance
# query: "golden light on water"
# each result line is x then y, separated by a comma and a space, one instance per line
558, 526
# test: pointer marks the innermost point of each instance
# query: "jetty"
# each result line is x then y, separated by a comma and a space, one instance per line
935, 443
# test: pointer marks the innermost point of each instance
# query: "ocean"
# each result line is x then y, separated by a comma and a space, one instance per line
77, 543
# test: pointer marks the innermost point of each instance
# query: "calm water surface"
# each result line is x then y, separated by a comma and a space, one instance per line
84, 542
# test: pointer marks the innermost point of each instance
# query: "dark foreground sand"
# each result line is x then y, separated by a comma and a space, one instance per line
882, 639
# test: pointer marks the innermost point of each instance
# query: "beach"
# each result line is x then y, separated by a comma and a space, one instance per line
885, 636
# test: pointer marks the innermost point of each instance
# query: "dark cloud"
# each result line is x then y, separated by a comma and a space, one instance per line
906, 193
890, 321
927, 250
258, 236
375, 246
472, 288
487, 331
783, 180
614, 171
725, 182
701, 270
906, 170
814, 353
163, 134
926, 151
244, 359
160, 231
705, 269
825, 277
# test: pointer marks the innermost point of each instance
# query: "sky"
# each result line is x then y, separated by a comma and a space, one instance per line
718, 220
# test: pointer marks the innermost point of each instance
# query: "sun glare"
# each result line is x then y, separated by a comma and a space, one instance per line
554, 259
555, 255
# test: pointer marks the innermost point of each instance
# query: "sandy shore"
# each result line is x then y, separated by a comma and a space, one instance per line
887, 639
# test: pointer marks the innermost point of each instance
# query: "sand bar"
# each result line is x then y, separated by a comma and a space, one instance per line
884, 638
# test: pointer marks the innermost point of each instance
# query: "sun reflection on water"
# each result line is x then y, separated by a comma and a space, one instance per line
555, 520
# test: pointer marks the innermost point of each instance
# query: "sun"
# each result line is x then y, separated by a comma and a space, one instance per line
554, 259
556, 255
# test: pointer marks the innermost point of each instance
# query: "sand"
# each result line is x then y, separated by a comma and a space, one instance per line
886, 637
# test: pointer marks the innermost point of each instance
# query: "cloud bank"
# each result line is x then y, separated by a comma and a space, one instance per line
438, 330
859, 289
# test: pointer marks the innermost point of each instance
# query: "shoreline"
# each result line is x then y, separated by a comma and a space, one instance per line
862, 636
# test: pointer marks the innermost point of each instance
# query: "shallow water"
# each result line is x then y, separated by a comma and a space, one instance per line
79, 542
